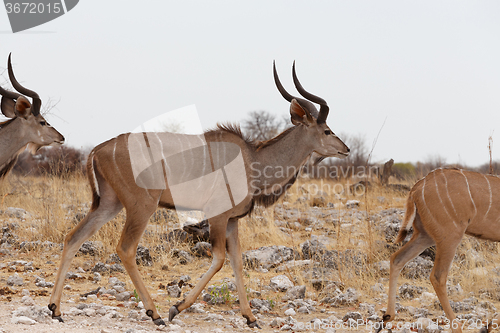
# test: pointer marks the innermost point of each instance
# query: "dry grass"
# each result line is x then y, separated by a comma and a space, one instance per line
55, 202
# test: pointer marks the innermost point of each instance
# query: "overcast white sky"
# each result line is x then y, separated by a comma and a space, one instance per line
430, 68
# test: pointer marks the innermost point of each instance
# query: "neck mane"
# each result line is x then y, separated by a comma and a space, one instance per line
8, 151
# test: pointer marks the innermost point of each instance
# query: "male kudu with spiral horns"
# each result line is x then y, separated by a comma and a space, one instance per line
122, 174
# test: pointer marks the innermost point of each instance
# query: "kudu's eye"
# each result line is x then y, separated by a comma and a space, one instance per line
43, 123
328, 132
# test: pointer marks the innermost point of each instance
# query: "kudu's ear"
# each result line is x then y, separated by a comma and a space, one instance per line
8, 107
23, 107
299, 114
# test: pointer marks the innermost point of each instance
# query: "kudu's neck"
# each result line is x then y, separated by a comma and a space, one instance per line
278, 162
12, 140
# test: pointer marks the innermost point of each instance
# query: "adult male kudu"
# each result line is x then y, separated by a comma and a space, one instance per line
226, 174
27, 127
442, 207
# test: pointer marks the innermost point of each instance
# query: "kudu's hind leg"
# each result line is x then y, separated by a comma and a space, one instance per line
439, 275
135, 225
87, 227
418, 243
234, 253
218, 241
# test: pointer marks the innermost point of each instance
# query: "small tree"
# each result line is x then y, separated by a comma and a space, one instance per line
173, 126
262, 125
404, 170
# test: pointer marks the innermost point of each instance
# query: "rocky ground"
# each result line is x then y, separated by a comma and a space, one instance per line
306, 287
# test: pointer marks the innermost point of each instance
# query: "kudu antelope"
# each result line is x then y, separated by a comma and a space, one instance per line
441, 208
26, 127
141, 171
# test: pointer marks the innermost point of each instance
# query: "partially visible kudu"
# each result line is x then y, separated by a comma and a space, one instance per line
441, 208
27, 127
220, 172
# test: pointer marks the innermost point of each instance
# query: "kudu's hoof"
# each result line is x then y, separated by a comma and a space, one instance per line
254, 324
251, 324
381, 325
58, 318
159, 322
52, 307
483, 329
172, 312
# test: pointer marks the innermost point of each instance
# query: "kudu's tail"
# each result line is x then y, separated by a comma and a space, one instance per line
93, 181
411, 212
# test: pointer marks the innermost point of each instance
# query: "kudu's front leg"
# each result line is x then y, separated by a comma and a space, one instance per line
135, 225
218, 241
234, 252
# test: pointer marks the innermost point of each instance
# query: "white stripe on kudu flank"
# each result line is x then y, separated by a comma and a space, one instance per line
448, 193
423, 199
442, 203
114, 157
161, 146
119, 172
423, 190
470, 194
491, 196
116, 163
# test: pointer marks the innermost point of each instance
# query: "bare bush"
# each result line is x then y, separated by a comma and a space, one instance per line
492, 168
56, 161
262, 125
430, 163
